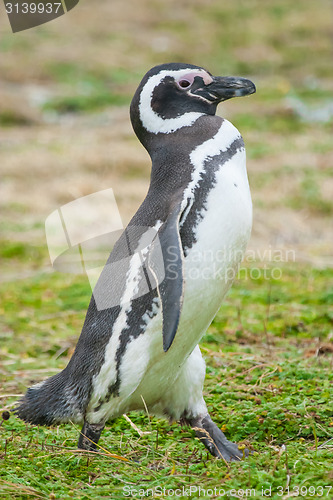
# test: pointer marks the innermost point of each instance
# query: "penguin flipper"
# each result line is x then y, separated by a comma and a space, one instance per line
171, 287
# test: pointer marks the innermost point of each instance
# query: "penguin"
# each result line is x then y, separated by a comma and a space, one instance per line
168, 273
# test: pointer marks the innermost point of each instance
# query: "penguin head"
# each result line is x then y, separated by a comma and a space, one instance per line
172, 96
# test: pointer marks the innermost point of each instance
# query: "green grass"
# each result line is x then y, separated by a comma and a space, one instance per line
88, 89
309, 196
9, 118
269, 385
94, 99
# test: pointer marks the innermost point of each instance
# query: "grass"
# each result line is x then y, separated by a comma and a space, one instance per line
309, 196
89, 101
269, 384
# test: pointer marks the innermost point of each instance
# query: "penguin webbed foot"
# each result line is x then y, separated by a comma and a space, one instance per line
215, 441
89, 436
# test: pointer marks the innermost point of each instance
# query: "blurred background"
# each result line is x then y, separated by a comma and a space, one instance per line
66, 86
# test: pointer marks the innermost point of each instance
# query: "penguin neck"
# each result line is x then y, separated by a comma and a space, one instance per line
182, 141
170, 153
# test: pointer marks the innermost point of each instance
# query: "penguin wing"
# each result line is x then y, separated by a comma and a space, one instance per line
169, 273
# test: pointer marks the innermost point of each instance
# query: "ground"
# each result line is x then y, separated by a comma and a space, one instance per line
65, 132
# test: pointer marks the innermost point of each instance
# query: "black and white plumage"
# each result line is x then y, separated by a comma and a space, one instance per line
143, 346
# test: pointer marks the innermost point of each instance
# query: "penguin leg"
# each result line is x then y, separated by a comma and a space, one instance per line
185, 403
214, 439
89, 436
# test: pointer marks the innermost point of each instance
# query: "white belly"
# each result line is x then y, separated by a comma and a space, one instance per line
210, 268
212, 263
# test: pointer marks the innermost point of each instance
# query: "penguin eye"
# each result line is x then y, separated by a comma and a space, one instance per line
185, 81
184, 84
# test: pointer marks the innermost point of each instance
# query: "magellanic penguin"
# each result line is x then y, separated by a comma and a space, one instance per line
167, 275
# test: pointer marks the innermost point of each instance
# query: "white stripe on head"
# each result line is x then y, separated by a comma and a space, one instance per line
154, 123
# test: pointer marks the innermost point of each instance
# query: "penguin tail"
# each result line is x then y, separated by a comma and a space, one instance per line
49, 402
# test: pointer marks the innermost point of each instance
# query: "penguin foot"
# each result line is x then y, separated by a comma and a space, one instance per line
89, 436
215, 441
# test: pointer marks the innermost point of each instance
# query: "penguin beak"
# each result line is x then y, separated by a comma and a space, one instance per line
226, 87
